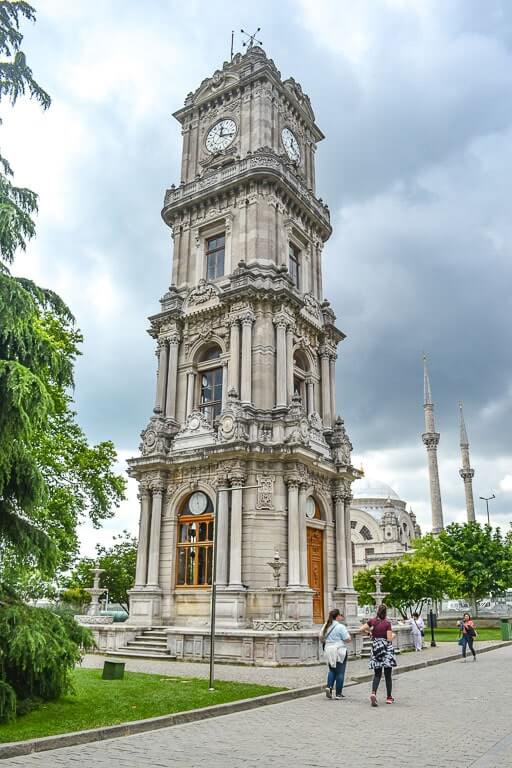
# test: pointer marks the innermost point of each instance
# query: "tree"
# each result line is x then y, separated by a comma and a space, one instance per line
50, 477
481, 555
119, 562
409, 582
38, 652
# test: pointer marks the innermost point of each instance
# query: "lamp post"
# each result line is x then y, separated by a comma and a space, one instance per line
487, 499
213, 602
431, 620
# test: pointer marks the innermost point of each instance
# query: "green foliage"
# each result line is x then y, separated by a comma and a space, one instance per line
481, 555
119, 562
409, 581
39, 651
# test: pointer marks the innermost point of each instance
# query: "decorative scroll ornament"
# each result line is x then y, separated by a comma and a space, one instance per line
231, 427
202, 293
265, 491
155, 438
312, 306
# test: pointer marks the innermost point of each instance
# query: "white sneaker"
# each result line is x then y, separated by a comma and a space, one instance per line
328, 693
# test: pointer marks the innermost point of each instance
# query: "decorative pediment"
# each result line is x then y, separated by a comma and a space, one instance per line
212, 85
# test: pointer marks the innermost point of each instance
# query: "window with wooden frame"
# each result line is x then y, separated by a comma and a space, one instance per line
210, 382
293, 263
215, 250
195, 547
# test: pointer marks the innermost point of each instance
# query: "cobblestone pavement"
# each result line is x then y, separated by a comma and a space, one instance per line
287, 677
451, 715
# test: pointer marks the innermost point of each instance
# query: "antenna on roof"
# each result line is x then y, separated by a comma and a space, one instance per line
232, 43
251, 39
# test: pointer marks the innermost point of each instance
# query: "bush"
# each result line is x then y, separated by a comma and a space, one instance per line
38, 652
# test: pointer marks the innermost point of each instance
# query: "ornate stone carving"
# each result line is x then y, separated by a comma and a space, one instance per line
265, 491
202, 293
341, 445
312, 306
156, 437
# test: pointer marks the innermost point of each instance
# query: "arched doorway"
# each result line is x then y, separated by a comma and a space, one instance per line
315, 547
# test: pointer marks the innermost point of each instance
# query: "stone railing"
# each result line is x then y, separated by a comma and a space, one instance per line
258, 161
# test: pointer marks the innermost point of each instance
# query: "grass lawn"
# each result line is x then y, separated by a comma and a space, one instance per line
449, 635
100, 702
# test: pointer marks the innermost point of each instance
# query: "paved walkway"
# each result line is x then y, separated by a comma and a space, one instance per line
287, 677
451, 715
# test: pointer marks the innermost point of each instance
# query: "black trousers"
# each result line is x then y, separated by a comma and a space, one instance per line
469, 641
377, 675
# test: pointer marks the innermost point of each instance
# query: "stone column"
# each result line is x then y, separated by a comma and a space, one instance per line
332, 385
172, 377
293, 533
303, 542
341, 553
310, 389
191, 380
234, 356
289, 364
348, 541
235, 550
154, 539
162, 354
246, 377
142, 549
280, 362
222, 523
326, 389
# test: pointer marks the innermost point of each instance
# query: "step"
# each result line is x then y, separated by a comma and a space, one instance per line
147, 644
132, 654
149, 639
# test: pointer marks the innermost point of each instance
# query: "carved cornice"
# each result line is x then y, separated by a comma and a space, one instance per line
252, 166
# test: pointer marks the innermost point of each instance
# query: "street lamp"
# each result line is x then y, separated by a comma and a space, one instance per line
487, 500
214, 580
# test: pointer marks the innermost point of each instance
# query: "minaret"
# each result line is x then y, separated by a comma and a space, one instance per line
431, 439
467, 473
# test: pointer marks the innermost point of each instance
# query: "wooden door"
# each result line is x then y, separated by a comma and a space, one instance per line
316, 572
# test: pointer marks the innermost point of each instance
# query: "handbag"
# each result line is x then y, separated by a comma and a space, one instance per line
461, 640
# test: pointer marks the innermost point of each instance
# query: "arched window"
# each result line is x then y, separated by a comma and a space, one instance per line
195, 542
365, 533
210, 381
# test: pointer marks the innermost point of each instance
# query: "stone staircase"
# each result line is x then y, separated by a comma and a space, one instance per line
148, 644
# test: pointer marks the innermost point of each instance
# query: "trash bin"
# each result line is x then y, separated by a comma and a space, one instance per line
506, 629
113, 670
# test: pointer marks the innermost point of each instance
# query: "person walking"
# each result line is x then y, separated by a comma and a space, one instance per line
417, 631
383, 653
334, 635
467, 635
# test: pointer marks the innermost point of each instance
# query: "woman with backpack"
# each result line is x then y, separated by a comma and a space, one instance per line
467, 635
383, 653
333, 636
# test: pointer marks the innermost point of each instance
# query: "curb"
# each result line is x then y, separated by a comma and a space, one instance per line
19, 748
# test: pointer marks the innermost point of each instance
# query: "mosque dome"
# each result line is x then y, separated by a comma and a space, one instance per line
368, 488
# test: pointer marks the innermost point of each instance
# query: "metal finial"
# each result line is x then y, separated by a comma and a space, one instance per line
251, 39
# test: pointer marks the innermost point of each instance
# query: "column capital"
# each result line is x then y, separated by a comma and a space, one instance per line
247, 318
282, 320
292, 480
233, 320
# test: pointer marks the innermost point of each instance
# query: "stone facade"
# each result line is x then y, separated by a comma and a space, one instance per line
244, 426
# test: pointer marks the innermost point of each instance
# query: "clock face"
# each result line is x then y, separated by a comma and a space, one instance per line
291, 144
221, 135
310, 508
198, 503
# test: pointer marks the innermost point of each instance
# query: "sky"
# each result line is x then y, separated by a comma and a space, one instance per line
415, 100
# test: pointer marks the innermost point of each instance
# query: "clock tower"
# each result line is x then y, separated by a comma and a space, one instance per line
244, 431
